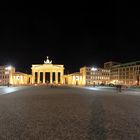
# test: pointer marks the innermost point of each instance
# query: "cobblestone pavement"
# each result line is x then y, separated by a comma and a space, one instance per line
64, 113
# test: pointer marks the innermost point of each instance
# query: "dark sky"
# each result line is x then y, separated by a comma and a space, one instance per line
73, 34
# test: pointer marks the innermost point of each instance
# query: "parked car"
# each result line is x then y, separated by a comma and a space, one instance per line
111, 85
102, 84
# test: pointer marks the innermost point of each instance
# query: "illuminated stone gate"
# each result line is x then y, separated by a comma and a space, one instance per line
47, 73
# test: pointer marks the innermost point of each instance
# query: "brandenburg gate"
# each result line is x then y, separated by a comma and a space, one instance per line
47, 73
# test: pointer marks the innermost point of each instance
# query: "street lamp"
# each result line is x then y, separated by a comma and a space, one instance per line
8, 68
93, 69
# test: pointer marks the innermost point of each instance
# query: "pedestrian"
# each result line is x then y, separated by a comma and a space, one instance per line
94, 84
8, 84
117, 87
120, 88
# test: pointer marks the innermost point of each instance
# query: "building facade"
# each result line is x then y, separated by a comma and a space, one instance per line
88, 76
108, 65
126, 74
47, 73
19, 78
95, 76
73, 79
113, 72
6, 73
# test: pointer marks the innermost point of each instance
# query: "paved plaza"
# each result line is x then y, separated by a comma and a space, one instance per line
69, 113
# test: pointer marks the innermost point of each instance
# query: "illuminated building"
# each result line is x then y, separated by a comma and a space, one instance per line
127, 73
88, 76
113, 72
6, 74
92, 75
19, 78
9, 76
47, 73
73, 79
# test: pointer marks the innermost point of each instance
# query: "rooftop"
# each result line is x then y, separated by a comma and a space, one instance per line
128, 64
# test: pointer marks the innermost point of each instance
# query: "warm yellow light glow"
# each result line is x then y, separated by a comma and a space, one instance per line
47, 67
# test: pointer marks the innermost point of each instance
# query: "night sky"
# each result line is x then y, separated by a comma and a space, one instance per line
73, 34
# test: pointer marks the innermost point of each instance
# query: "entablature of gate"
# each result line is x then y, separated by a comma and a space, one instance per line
47, 67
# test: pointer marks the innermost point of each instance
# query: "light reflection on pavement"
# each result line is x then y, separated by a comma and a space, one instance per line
113, 90
6, 90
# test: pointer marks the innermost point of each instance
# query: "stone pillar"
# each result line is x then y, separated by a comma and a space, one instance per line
38, 77
56, 77
61, 78
33, 77
51, 77
43, 77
